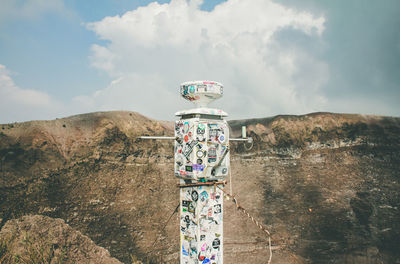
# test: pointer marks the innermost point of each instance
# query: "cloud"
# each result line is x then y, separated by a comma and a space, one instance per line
361, 45
154, 48
18, 104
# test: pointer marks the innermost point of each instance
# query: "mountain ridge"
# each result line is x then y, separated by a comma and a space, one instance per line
325, 185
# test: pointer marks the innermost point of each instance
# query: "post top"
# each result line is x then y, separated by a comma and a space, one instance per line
202, 111
201, 92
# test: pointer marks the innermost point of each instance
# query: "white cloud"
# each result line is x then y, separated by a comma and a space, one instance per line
18, 104
152, 49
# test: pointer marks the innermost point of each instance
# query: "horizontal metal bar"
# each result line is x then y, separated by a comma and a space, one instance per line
242, 139
162, 138
173, 138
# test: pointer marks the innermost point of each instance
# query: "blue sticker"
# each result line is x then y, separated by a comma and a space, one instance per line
192, 89
184, 252
204, 194
198, 167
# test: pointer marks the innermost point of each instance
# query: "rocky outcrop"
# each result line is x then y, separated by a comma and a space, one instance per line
41, 239
325, 185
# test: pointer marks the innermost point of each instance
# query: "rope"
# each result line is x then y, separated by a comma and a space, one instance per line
261, 227
230, 181
165, 225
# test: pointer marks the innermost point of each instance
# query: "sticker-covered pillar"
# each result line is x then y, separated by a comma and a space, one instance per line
201, 164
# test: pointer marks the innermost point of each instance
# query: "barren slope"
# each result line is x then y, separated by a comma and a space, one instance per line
41, 239
326, 185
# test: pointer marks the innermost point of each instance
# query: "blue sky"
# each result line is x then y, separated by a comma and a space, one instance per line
59, 58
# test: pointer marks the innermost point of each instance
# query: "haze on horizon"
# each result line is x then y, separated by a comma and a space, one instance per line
59, 58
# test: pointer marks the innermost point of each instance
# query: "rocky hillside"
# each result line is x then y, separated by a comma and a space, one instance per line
41, 239
325, 185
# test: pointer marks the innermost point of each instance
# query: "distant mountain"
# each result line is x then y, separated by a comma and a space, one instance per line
326, 185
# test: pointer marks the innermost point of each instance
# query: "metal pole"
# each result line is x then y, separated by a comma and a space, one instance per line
249, 140
161, 138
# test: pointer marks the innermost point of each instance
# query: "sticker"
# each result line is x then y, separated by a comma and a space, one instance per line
192, 89
187, 219
217, 208
202, 88
186, 127
213, 171
221, 138
204, 196
212, 152
216, 243
195, 196
178, 127
186, 138
191, 208
189, 168
184, 252
200, 153
185, 90
201, 129
189, 148
212, 135
179, 160
223, 148
188, 238
203, 247
198, 167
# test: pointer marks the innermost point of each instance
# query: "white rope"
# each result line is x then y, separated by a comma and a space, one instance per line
230, 182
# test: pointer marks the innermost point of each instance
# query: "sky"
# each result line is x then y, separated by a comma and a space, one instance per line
60, 58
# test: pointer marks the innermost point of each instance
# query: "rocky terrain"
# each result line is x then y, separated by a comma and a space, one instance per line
325, 185
41, 239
